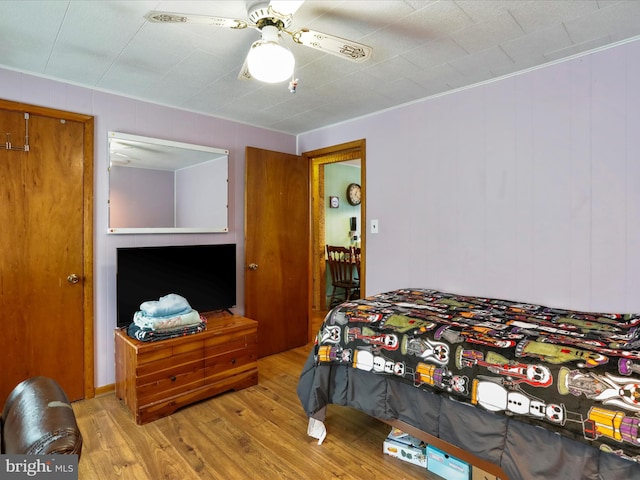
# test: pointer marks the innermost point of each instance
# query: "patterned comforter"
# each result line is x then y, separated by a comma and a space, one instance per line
575, 373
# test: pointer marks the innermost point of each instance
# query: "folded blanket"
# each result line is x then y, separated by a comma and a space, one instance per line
166, 323
171, 304
146, 335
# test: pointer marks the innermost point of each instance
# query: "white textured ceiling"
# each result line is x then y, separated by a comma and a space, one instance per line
420, 49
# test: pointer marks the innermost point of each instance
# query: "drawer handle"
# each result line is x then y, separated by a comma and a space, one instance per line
173, 378
233, 361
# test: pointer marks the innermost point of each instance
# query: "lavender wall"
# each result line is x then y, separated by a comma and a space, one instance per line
526, 188
121, 114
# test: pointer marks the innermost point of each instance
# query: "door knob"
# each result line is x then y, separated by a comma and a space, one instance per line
73, 278
253, 266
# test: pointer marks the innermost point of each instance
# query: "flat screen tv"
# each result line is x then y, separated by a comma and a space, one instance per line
203, 274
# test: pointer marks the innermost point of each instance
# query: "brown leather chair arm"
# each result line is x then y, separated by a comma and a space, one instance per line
38, 419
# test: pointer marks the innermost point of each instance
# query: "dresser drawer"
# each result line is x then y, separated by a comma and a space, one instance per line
230, 363
230, 358
171, 382
231, 344
230, 340
147, 370
150, 355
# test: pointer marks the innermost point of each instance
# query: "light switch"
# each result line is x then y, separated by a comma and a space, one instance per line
374, 226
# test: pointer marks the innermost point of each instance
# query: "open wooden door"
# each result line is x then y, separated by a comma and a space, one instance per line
277, 235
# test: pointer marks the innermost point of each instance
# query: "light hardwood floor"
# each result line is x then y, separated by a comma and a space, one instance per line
255, 433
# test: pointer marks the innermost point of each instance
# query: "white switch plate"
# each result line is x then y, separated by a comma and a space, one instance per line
374, 226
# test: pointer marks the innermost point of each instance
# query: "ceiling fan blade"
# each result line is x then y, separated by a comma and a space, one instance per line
285, 7
348, 49
169, 17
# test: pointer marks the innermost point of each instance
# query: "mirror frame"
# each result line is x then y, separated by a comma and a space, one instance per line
167, 143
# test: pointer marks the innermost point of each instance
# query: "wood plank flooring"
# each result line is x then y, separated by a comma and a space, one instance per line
256, 433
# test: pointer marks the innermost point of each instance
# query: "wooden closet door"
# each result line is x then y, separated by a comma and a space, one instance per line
41, 236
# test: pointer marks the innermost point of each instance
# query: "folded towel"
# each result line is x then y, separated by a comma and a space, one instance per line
171, 304
167, 322
146, 335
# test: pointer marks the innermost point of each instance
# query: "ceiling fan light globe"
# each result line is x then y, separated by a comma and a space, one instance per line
270, 62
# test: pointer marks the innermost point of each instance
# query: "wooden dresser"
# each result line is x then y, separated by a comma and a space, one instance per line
154, 379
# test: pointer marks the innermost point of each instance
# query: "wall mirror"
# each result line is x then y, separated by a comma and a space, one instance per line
161, 186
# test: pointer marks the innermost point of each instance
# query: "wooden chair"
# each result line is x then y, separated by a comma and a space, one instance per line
343, 262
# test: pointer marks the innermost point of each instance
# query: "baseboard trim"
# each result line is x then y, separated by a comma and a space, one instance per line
105, 389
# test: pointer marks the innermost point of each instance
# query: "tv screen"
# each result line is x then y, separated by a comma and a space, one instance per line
203, 274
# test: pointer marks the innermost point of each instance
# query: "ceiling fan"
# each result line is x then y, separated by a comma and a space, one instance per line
268, 60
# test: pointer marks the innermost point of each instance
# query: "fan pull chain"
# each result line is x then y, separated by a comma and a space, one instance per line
293, 85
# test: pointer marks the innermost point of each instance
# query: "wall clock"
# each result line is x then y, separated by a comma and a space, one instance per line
354, 194
334, 202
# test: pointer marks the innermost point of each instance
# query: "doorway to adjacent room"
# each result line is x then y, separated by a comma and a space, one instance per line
324, 185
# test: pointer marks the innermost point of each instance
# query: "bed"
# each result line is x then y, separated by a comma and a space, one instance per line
539, 392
